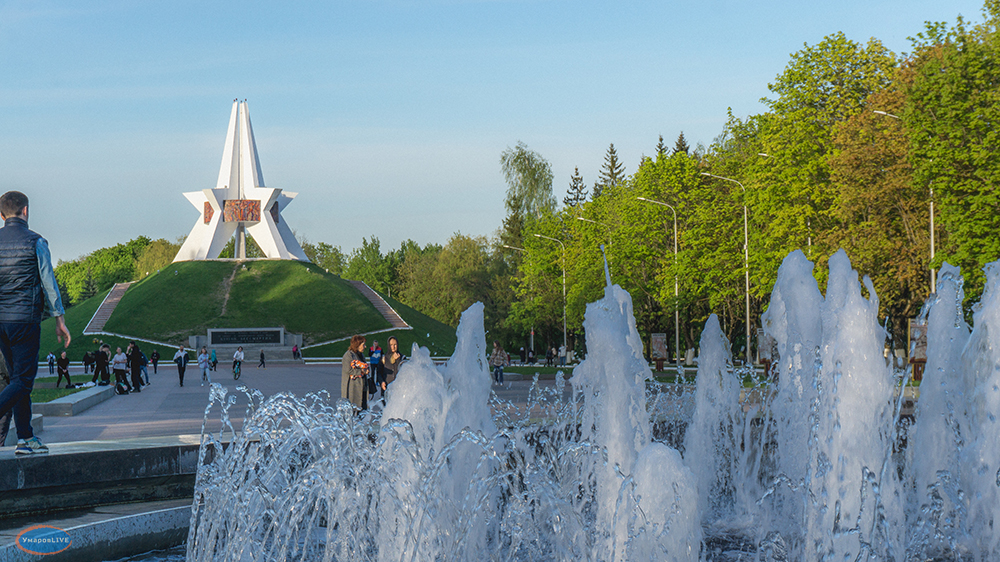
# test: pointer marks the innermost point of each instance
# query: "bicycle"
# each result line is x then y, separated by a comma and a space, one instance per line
236, 370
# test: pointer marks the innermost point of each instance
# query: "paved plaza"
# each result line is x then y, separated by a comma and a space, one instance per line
165, 409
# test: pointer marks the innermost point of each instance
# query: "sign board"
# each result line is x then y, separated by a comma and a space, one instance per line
917, 340
658, 346
247, 336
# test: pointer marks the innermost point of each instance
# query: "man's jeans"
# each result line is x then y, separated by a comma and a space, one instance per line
19, 344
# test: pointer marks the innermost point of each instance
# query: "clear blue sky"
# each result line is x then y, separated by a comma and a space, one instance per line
388, 117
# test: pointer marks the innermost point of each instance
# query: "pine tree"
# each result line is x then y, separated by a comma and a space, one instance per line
613, 171
681, 145
661, 149
577, 192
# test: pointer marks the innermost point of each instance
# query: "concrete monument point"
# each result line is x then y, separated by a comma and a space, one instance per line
240, 204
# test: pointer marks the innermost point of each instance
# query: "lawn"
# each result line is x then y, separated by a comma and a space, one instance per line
188, 298
427, 332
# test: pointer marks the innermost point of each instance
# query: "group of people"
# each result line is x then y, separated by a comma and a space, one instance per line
209, 361
551, 356
362, 378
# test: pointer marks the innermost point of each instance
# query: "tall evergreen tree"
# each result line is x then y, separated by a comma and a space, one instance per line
681, 145
661, 149
577, 192
613, 171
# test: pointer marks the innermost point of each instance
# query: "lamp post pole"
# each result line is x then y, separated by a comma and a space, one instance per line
677, 315
564, 279
531, 340
746, 256
933, 276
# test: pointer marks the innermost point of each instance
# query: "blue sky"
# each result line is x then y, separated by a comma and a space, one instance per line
387, 117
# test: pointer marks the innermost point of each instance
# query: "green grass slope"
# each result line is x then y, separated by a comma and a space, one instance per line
188, 298
77, 318
427, 332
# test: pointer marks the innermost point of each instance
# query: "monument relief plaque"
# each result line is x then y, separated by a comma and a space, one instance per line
246, 336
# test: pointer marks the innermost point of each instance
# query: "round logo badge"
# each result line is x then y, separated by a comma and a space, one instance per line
43, 540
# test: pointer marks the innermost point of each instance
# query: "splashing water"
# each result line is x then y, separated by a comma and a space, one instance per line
812, 464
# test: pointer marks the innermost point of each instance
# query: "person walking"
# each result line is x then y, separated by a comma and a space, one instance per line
214, 360
51, 359
62, 367
28, 289
295, 352
391, 361
354, 370
205, 364
562, 355
143, 367
181, 359
154, 358
497, 360
261, 365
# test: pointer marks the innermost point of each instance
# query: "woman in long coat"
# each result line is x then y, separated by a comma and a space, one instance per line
353, 372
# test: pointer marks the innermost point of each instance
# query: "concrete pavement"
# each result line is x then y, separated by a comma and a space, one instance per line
165, 409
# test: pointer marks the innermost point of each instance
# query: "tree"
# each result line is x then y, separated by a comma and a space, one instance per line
613, 171
529, 181
661, 149
367, 264
157, 255
577, 193
681, 144
330, 258
951, 114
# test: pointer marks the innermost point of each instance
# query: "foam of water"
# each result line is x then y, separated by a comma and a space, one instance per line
814, 465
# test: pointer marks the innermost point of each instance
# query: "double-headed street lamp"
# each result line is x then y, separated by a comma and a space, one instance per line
746, 254
677, 315
933, 276
564, 280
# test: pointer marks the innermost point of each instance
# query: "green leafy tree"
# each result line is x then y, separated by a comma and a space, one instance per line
529, 181
330, 258
951, 113
367, 264
157, 255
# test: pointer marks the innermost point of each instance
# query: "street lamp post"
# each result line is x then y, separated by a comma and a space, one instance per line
746, 255
564, 280
677, 315
933, 276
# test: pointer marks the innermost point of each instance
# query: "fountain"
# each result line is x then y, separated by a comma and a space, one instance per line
809, 466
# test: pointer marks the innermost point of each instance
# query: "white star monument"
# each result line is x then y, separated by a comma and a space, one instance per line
240, 204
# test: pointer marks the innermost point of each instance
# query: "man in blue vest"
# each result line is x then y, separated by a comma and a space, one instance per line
28, 288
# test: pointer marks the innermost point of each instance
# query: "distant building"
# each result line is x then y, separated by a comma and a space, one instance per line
240, 204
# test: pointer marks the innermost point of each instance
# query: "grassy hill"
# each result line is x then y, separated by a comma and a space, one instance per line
77, 318
427, 332
188, 298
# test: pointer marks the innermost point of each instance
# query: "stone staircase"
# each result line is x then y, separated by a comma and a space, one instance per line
96, 324
383, 307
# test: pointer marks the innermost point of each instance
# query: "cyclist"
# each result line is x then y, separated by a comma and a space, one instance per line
237, 362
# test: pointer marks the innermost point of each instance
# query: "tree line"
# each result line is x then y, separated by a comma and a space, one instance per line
856, 146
